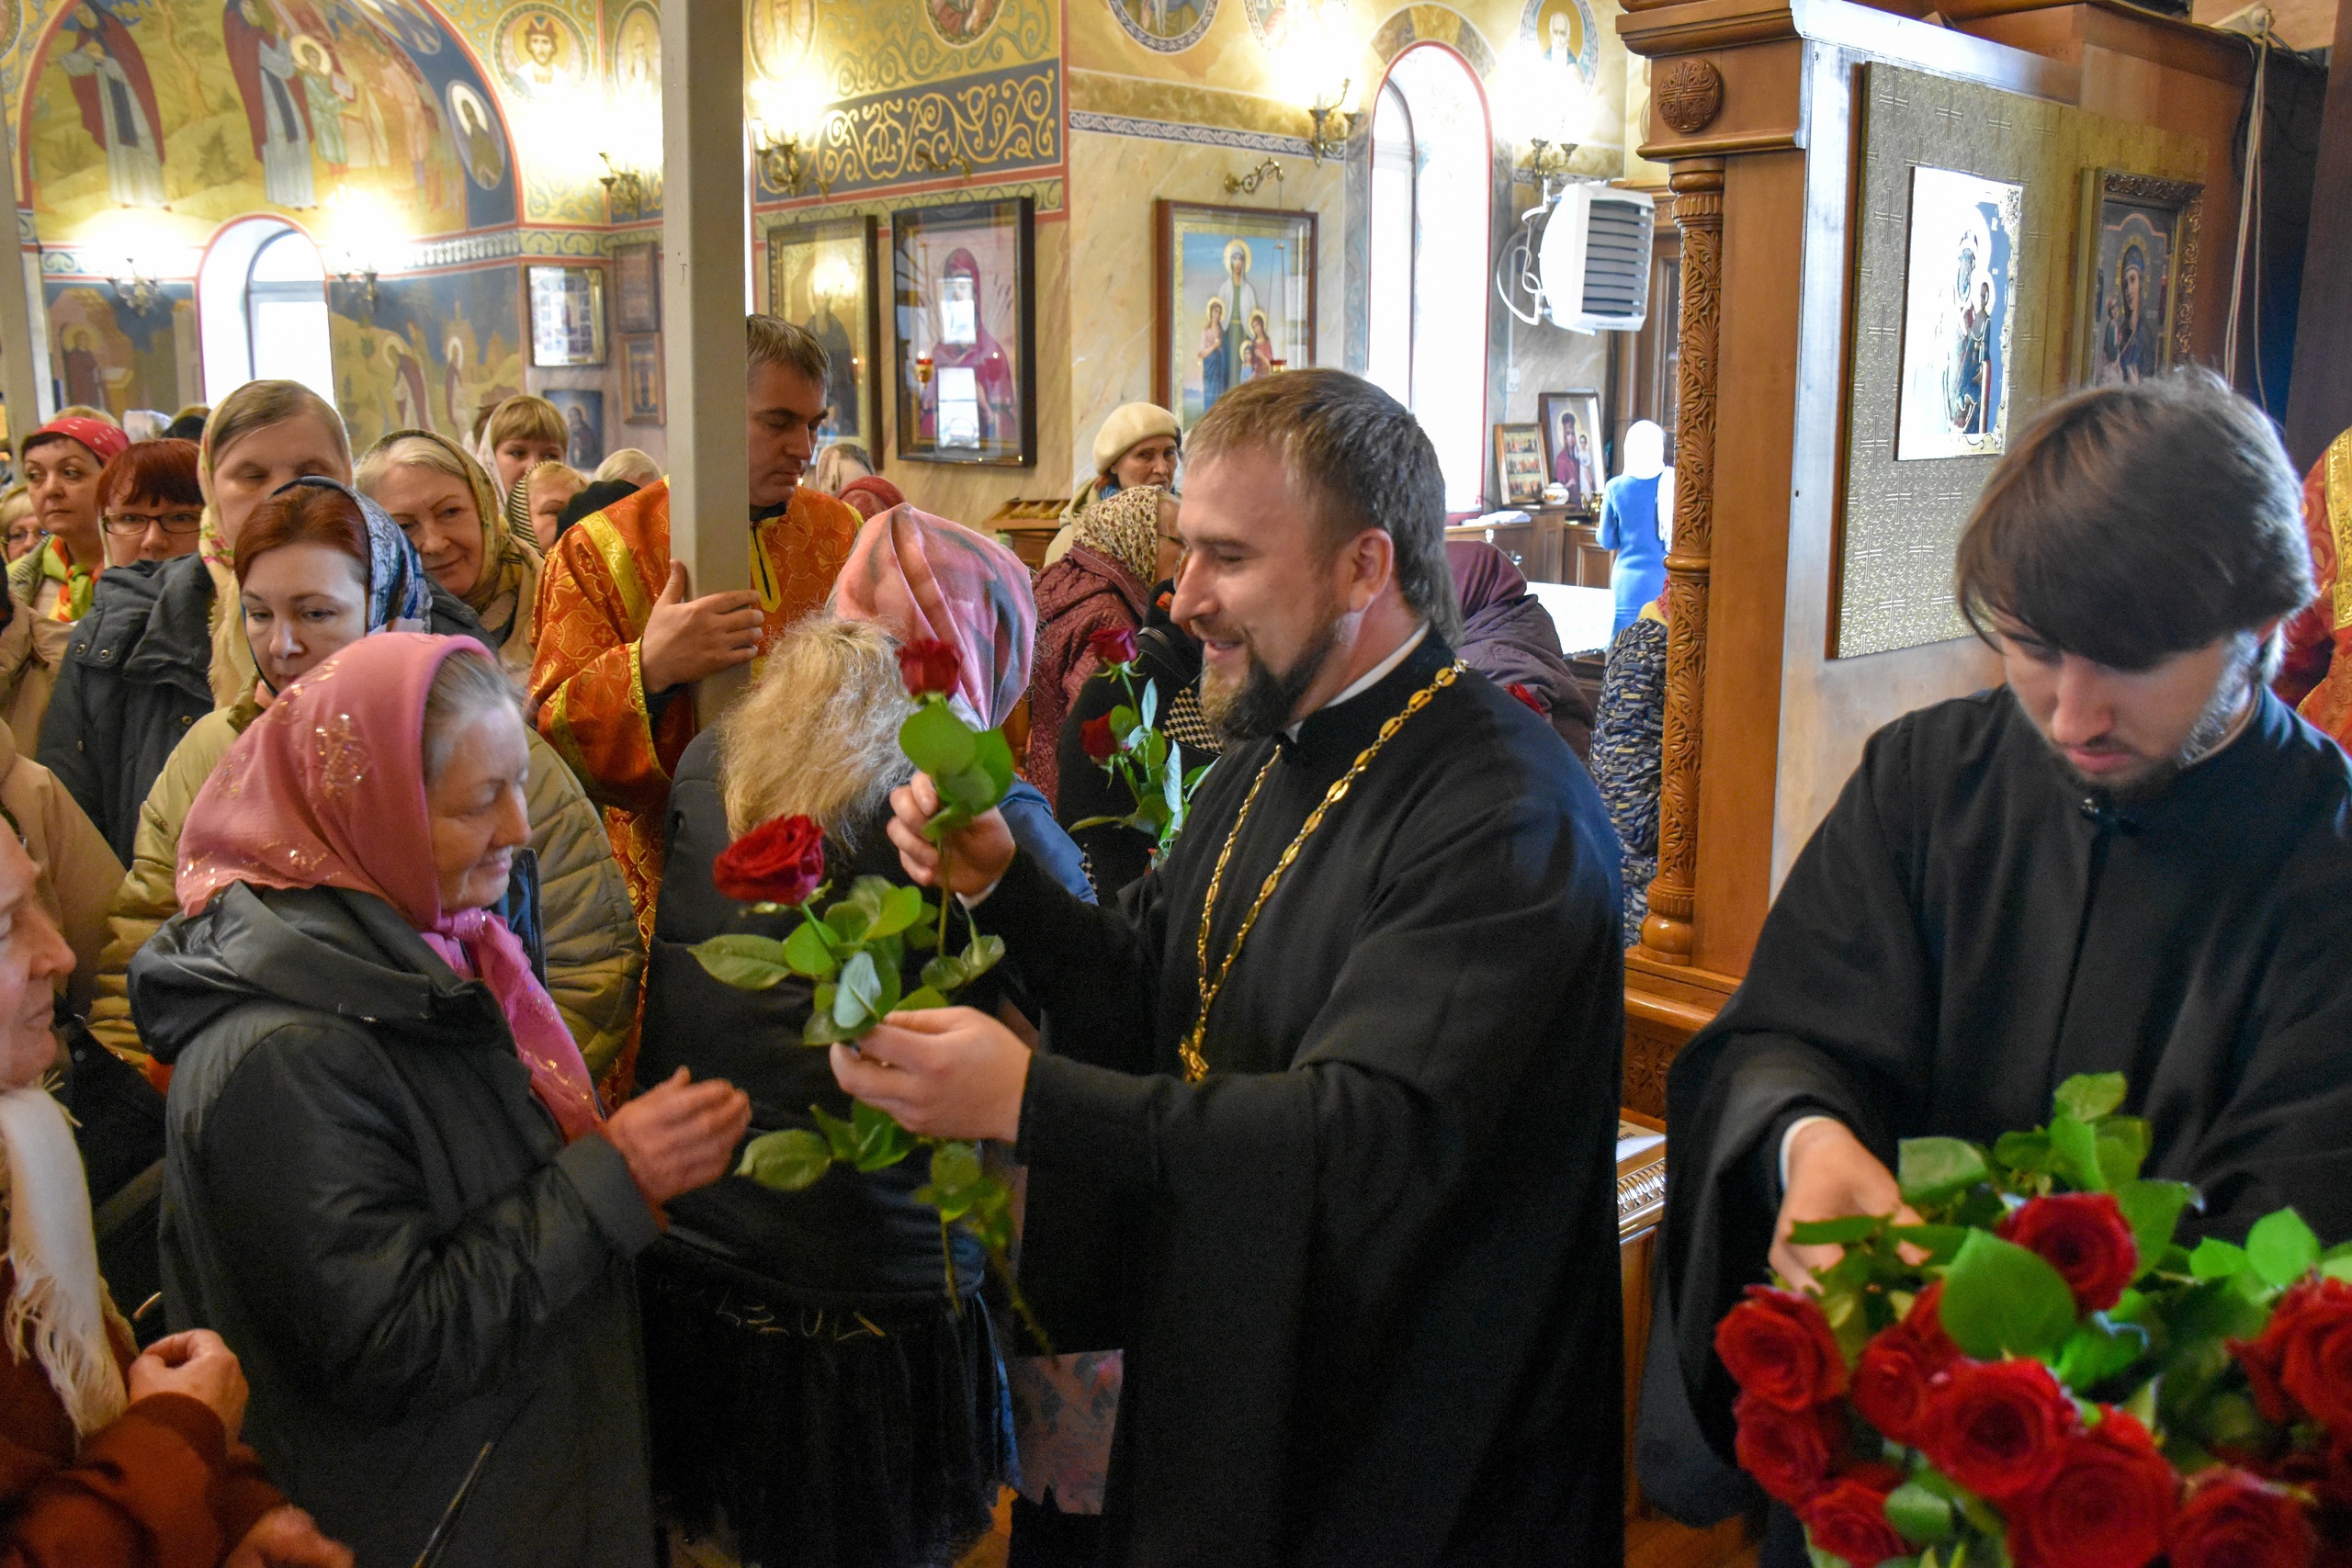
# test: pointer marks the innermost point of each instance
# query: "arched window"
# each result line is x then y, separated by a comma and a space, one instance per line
262, 310
1425, 305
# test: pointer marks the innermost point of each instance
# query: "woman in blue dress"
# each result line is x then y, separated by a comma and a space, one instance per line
1629, 523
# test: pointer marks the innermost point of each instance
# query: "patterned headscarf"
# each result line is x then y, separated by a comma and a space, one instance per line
1125, 527
326, 789
399, 594
496, 597
922, 576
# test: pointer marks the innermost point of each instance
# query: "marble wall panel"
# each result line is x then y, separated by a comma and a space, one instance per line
1114, 182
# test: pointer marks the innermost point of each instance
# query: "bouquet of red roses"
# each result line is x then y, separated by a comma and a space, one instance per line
2039, 1374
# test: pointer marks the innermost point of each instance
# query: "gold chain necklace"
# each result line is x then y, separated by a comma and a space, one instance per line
1196, 1067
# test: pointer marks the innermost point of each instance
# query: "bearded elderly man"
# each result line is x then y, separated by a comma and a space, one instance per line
1348, 1055
2132, 859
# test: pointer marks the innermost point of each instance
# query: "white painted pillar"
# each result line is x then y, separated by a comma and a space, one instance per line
21, 355
705, 238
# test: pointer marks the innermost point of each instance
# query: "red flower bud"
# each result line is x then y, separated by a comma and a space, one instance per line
928, 665
1778, 1349
1847, 1519
782, 861
1095, 737
2084, 1237
1113, 645
1534, 702
1997, 1427
2107, 1506
1789, 1453
1892, 1381
2232, 1520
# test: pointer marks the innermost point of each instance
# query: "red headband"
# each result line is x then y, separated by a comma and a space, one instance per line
105, 441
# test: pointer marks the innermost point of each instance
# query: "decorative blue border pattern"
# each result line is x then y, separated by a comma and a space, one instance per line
1157, 44
1196, 135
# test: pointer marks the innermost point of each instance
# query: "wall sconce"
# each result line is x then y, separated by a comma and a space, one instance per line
788, 120
134, 289
1321, 143
924, 161
1544, 107
1546, 162
783, 162
1247, 185
360, 276
620, 181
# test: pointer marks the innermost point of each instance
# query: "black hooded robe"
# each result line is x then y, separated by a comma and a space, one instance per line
1370, 1299
1968, 928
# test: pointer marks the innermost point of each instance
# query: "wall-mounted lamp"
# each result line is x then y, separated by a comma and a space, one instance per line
360, 277
1247, 185
620, 181
787, 123
1545, 106
1546, 165
1321, 143
784, 164
134, 289
924, 161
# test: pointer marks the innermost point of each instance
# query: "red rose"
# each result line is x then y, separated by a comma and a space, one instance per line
2235, 1521
928, 664
2106, 1507
2084, 1237
1891, 1380
779, 861
1997, 1427
1779, 1347
1113, 645
1789, 1453
1095, 737
2303, 1357
1847, 1519
1534, 702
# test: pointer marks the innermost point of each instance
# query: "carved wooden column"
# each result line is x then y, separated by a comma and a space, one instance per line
1698, 185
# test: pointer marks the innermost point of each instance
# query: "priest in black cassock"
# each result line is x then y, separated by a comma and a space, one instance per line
1360, 1130
2131, 857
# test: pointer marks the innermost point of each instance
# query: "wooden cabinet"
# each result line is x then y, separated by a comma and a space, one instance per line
1554, 545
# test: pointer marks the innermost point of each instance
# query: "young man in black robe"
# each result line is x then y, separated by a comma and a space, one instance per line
2131, 858
1371, 1313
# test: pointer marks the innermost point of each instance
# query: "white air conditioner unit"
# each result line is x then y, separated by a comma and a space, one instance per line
1594, 263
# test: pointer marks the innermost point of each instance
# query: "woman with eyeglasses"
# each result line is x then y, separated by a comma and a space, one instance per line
150, 501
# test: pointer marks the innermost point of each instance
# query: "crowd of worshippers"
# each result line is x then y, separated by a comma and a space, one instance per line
371, 1126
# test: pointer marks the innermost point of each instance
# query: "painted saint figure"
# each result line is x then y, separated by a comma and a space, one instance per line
117, 103
966, 345
1215, 363
324, 92
2127, 349
266, 68
1239, 297
1258, 352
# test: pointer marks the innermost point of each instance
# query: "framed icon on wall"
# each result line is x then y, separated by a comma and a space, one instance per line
1233, 300
965, 322
641, 401
567, 315
636, 287
821, 275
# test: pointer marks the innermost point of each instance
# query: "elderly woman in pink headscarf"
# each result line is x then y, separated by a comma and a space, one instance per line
873, 1431
388, 1184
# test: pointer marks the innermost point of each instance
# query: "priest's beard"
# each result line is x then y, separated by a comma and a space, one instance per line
2231, 700
1263, 702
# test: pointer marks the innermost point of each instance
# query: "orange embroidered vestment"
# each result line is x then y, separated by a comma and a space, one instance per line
596, 593
2316, 674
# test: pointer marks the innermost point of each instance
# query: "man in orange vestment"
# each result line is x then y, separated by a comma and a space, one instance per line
2316, 675
619, 641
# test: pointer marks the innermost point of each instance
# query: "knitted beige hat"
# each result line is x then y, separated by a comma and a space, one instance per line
1129, 423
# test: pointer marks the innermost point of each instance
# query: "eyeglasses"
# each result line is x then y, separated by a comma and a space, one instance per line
132, 524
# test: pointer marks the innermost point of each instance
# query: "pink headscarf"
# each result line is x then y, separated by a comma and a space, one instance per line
919, 576
326, 789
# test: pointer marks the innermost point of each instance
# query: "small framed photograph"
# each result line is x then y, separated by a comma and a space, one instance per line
1233, 299
821, 275
964, 287
1573, 457
1960, 290
1519, 464
636, 287
583, 425
567, 315
2139, 275
642, 380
